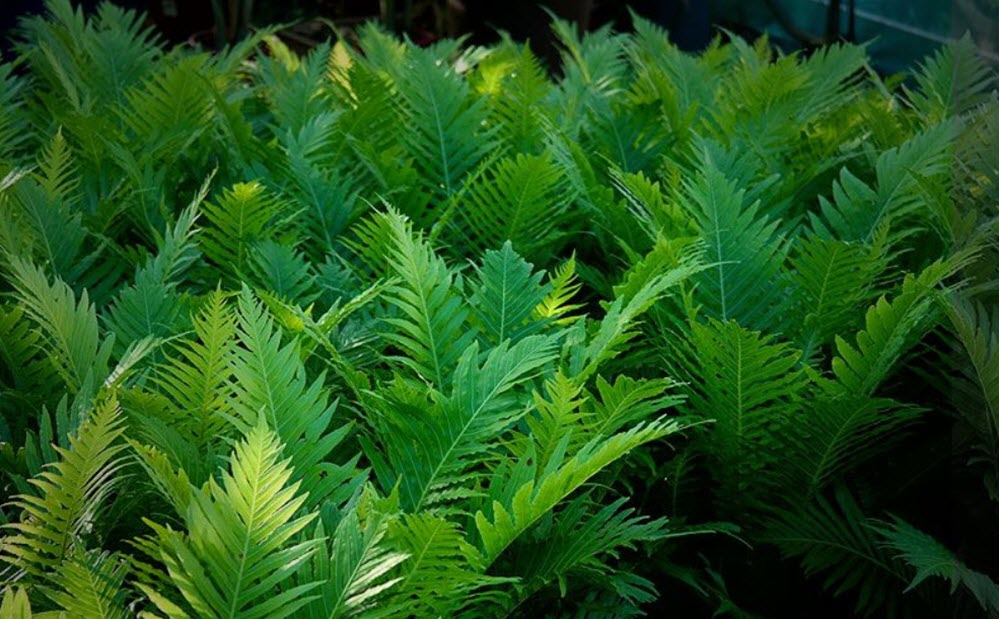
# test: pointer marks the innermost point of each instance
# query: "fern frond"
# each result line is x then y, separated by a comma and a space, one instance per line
585, 542
834, 541
619, 326
858, 210
951, 82
240, 550
746, 253
437, 579
831, 280
433, 454
269, 381
975, 392
446, 139
891, 329
245, 214
931, 558
70, 491
91, 584
520, 497
356, 568
196, 372
750, 386
151, 307
507, 294
432, 330
523, 200
284, 272
73, 338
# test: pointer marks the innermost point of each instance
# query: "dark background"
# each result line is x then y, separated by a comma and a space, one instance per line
900, 32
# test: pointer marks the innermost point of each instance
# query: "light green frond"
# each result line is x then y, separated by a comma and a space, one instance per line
269, 381
72, 336
892, 327
243, 215
91, 584
517, 503
70, 492
241, 546
197, 370
357, 568
438, 578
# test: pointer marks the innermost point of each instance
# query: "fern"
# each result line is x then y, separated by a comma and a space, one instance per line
236, 223
69, 495
931, 558
432, 328
523, 200
507, 294
73, 339
240, 540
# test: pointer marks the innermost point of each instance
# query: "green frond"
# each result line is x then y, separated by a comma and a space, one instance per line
522, 199
197, 370
518, 498
750, 386
70, 330
432, 328
975, 387
70, 492
931, 558
745, 252
446, 139
91, 585
243, 215
891, 329
833, 541
269, 382
580, 549
172, 108
831, 280
357, 568
13, 119
437, 579
563, 287
433, 453
151, 306
952, 82
837, 432
516, 89
628, 401
506, 295
858, 210
619, 326
241, 546
292, 86
41, 206
283, 271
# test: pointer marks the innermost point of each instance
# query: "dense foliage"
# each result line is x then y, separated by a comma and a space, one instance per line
384, 330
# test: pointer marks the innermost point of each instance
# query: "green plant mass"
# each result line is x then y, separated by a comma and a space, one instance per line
382, 330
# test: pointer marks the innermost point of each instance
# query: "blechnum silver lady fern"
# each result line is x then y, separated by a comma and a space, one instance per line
391, 331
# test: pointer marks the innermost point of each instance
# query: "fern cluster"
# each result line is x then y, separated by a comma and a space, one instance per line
385, 331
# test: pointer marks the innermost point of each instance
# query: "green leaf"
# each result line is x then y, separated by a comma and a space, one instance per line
241, 541
507, 294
